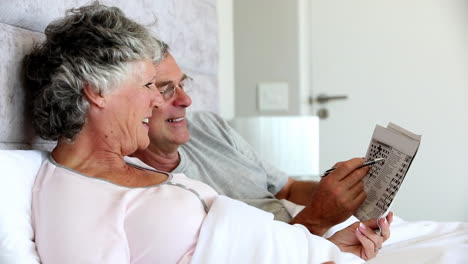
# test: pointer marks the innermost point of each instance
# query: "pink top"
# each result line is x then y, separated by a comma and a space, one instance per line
81, 219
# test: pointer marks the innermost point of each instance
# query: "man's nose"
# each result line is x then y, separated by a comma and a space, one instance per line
181, 98
158, 99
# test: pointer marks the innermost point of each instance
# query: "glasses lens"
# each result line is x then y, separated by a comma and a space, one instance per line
167, 91
187, 84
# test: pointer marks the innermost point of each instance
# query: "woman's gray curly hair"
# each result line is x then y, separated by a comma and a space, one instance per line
90, 45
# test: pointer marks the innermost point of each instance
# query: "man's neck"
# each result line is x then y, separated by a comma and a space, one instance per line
161, 160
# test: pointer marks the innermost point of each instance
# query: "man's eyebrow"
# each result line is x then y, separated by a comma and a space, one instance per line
166, 82
162, 83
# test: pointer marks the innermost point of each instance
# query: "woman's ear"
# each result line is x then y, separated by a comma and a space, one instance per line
94, 97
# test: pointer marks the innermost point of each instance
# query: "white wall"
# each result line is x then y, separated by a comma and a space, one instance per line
401, 61
405, 62
226, 58
266, 44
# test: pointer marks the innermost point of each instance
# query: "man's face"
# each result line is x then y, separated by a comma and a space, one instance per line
168, 127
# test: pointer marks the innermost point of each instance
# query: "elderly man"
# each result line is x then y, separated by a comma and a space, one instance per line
206, 148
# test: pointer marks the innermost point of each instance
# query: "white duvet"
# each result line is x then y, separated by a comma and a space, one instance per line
421, 242
426, 242
234, 232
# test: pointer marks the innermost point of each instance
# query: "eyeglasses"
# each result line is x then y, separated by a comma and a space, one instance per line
169, 90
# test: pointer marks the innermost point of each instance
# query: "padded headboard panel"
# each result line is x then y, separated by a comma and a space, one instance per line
188, 26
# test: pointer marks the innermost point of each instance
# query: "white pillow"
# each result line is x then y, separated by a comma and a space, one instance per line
18, 169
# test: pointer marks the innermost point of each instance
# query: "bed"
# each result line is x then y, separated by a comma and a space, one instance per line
193, 43
413, 242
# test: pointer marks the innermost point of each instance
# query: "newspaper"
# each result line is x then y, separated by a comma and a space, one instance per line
398, 146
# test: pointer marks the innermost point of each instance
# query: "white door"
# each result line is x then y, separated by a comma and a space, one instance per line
405, 62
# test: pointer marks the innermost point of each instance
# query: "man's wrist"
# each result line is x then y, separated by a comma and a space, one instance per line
314, 225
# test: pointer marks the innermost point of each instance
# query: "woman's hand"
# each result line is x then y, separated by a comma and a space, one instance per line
361, 239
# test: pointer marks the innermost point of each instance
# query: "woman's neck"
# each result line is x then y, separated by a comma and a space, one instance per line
89, 153
103, 163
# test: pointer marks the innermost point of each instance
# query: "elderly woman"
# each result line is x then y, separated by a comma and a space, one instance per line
94, 84
93, 80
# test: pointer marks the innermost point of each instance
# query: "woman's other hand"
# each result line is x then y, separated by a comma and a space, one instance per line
362, 239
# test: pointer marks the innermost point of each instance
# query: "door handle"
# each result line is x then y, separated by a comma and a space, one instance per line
323, 98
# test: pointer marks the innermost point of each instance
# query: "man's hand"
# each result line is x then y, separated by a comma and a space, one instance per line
336, 198
298, 192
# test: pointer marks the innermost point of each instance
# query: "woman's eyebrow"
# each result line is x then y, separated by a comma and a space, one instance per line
153, 79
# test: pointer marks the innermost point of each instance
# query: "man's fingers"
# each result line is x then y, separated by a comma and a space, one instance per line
357, 190
354, 198
360, 198
356, 176
343, 169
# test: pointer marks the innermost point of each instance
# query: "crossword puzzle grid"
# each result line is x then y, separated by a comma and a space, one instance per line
380, 150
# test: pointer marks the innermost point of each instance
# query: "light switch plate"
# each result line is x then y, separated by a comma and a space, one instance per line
273, 96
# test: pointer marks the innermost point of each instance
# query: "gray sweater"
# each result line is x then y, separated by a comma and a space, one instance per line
218, 156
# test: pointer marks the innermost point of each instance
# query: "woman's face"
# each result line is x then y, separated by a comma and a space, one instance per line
131, 105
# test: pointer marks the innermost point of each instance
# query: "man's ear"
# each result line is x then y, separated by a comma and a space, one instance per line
93, 96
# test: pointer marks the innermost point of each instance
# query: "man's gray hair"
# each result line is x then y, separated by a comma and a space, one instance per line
91, 45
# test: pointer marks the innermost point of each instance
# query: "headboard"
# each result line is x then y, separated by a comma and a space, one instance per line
188, 26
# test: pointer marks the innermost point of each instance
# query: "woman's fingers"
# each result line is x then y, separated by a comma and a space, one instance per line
371, 240
368, 248
375, 238
390, 217
385, 228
